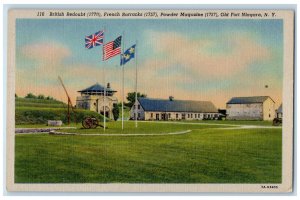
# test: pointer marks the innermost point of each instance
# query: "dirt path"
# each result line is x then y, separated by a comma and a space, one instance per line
232, 126
134, 134
250, 127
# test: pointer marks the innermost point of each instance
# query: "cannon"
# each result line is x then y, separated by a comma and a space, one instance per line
277, 121
91, 122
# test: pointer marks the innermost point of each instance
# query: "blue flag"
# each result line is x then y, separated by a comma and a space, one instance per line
127, 55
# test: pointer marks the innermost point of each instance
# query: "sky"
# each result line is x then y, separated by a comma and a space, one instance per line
207, 59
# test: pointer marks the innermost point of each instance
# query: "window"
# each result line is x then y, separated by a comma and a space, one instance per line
133, 106
195, 115
151, 115
192, 116
157, 116
176, 115
183, 116
188, 116
198, 115
169, 115
139, 106
139, 115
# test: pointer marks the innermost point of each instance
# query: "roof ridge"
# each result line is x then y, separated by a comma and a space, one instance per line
173, 99
250, 96
248, 99
100, 87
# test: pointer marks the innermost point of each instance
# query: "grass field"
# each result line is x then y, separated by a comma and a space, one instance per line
208, 154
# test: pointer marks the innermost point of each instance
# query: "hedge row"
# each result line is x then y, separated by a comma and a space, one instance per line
33, 115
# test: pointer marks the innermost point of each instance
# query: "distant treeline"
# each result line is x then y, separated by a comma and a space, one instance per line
40, 96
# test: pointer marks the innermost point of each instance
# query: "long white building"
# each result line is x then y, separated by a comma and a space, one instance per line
170, 109
250, 108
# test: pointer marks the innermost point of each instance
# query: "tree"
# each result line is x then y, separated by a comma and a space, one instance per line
49, 98
115, 111
30, 96
41, 96
131, 98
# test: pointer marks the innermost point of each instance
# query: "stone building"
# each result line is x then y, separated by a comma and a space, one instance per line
279, 112
251, 108
92, 98
170, 109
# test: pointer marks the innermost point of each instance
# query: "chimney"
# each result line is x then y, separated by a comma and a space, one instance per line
171, 98
108, 86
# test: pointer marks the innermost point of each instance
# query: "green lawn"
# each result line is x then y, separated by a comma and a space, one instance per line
205, 155
143, 128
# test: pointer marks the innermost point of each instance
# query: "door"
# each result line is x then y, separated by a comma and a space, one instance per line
157, 116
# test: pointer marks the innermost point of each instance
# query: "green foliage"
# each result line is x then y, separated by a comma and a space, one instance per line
30, 96
30, 115
39, 111
35, 101
131, 98
49, 98
41, 96
205, 155
115, 111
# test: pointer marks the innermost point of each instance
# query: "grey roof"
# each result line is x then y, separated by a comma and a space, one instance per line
96, 88
279, 110
247, 100
164, 105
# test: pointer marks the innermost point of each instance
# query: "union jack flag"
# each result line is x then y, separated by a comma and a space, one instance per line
94, 40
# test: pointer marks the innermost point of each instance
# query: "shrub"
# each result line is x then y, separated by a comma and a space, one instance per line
116, 111
30, 96
41, 96
31, 115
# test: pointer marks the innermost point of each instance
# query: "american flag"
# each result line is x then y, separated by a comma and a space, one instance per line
94, 40
112, 48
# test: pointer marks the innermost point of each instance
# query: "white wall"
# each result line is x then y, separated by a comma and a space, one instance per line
172, 115
269, 110
252, 111
140, 111
255, 111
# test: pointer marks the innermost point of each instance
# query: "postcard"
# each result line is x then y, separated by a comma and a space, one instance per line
150, 100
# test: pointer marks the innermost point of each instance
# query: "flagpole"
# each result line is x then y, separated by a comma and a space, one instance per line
135, 52
104, 95
123, 83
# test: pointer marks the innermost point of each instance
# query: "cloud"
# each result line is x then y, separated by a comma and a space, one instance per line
46, 52
210, 57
